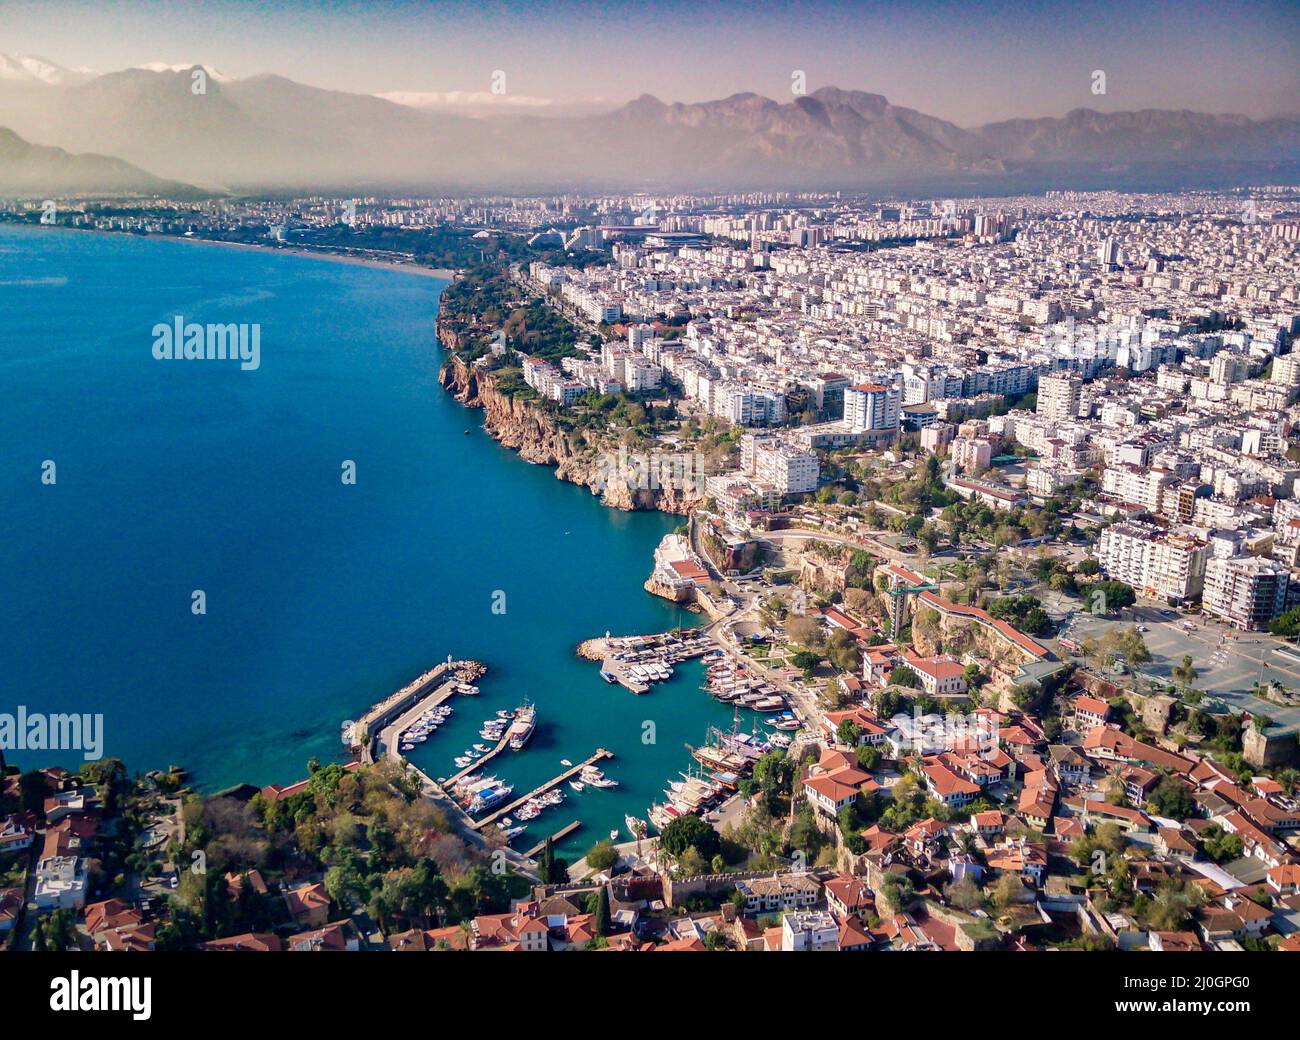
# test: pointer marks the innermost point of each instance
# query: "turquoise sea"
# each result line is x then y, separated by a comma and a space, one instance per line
321, 597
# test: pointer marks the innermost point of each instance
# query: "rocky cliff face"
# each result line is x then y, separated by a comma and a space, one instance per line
528, 429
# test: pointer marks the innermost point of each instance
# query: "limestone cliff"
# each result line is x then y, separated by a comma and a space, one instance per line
527, 428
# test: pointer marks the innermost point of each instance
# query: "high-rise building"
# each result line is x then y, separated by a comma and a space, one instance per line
1153, 561
787, 468
1058, 397
1246, 591
871, 406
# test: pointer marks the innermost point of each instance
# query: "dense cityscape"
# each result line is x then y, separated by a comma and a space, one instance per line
991, 518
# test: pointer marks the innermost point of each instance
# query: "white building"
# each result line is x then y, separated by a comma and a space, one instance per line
1058, 397
870, 406
1246, 591
787, 468
1155, 562
810, 930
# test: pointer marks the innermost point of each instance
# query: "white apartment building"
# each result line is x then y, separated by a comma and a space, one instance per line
1058, 397
60, 883
870, 406
1156, 562
1246, 591
810, 930
790, 470
747, 406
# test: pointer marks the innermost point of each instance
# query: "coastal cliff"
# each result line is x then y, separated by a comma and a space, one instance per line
527, 428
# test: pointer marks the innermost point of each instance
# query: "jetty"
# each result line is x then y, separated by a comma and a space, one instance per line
376, 723
620, 655
562, 833
502, 744
600, 755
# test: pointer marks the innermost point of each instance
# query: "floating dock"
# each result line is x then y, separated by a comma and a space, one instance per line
600, 755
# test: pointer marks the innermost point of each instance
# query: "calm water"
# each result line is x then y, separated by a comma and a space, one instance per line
174, 476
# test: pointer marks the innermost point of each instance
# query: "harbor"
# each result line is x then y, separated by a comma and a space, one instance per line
638, 662
383, 724
600, 755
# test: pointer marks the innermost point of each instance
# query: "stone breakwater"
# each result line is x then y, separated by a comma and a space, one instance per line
528, 429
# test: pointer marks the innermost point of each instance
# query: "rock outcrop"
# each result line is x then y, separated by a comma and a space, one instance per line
527, 428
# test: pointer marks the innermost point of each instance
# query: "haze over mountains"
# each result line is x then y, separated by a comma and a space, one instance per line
267, 132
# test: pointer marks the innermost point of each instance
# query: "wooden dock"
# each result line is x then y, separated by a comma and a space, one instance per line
501, 746
562, 833
599, 756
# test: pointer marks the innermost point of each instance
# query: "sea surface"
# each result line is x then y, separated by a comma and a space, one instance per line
179, 476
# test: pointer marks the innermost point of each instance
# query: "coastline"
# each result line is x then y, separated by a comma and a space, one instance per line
446, 274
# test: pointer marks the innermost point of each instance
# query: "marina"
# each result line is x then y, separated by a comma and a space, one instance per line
600, 755
638, 662
408, 716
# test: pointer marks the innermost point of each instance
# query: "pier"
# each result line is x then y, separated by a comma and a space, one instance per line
600, 755
555, 838
390, 737
618, 655
477, 763
395, 707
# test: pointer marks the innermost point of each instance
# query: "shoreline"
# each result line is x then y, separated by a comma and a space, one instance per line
445, 273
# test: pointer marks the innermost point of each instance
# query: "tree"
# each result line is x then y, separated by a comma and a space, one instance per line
965, 894
1185, 672
898, 892
1219, 845
601, 856
601, 922
688, 831
33, 789
1008, 891
804, 631
1172, 799
904, 676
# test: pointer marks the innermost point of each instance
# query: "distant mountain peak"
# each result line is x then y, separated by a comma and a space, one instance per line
162, 66
31, 69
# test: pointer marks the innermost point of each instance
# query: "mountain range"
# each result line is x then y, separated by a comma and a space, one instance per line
267, 132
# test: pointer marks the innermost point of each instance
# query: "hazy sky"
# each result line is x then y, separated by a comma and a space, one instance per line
968, 62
